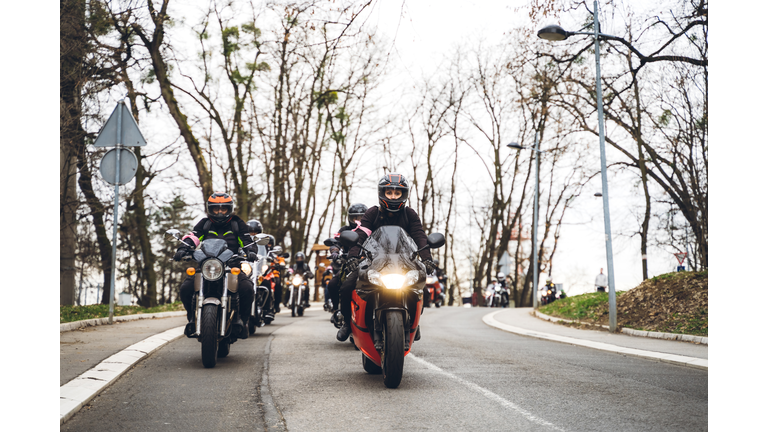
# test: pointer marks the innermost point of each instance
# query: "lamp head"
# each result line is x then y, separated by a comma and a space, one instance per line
553, 33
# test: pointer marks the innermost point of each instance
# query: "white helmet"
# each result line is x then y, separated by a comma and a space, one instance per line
500, 275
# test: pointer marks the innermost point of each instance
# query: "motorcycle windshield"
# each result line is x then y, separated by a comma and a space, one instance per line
392, 248
216, 248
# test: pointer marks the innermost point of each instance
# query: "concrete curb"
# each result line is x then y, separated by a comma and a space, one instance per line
64, 327
663, 357
632, 332
78, 392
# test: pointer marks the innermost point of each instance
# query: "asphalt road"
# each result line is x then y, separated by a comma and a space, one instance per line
462, 375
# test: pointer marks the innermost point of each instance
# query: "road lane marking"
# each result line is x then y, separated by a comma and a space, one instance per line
79, 391
489, 394
694, 362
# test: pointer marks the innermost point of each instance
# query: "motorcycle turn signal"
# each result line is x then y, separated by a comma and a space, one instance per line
191, 271
235, 271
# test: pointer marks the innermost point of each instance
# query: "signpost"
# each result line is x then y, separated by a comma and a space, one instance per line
118, 167
680, 258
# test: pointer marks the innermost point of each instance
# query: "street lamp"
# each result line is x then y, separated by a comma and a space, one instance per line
557, 33
535, 229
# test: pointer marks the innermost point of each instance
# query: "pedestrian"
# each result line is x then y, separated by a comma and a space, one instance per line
601, 281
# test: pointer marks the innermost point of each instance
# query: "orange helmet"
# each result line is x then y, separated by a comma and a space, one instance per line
220, 207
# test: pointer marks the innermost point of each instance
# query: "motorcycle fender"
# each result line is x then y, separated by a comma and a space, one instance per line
212, 300
231, 282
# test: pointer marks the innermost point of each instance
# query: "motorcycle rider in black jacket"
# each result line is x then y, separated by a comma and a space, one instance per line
355, 214
393, 193
302, 268
221, 223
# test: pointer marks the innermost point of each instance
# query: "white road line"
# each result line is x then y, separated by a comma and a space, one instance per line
78, 392
695, 362
489, 394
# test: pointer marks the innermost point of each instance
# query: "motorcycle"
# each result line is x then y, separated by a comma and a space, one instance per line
299, 285
387, 300
215, 279
433, 292
495, 295
261, 309
326, 277
548, 295
275, 264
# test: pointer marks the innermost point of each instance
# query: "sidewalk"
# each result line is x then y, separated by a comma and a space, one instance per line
521, 321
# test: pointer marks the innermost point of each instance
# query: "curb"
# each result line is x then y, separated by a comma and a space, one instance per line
81, 390
694, 362
703, 340
64, 327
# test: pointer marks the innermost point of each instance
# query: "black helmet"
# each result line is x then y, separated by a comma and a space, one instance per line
271, 243
300, 257
254, 226
356, 211
397, 182
220, 200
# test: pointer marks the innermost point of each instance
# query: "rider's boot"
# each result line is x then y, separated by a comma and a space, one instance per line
239, 328
344, 332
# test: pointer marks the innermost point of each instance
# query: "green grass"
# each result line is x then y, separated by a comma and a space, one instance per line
79, 313
584, 307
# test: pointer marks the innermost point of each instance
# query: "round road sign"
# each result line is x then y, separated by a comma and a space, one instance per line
128, 166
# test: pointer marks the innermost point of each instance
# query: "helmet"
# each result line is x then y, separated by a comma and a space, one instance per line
220, 200
300, 257
393, 181
254, 226
356, 211
549, 280
277, 250
500, 275
271, 244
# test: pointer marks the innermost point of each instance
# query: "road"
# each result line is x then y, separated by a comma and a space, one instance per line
462, 375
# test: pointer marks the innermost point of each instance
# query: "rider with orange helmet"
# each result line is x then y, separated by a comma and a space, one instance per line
224, 224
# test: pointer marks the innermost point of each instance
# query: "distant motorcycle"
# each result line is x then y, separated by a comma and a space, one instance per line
433, 292
548, 295
496, 295
215, 277
299, 285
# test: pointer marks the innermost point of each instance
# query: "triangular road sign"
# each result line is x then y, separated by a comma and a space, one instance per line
130, 134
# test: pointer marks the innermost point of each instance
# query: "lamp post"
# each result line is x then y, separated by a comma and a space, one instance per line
557, 33
535, 228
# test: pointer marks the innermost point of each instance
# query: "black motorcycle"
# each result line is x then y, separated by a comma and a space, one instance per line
215, 278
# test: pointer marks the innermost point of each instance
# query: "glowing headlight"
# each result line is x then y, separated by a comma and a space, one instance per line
264, 268
246, 268
213, 269
297, 280
393, 281
430, 279
374, 277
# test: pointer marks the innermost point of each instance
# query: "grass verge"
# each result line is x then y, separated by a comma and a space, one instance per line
79, 313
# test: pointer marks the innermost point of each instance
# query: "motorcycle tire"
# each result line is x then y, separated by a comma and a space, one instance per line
300, 311
437, 304
209, 338
252, 326
370, 367
267, 321
223, 349
393, 357
294, 310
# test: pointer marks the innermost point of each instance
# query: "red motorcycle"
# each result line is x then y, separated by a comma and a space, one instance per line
433, 292
387, 301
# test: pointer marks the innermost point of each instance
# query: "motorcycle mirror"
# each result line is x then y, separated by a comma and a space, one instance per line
329, 242
286, 255
435, 240
262, 241
349, 239
173, 233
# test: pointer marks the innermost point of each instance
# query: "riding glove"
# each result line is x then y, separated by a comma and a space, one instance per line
352, 264
180, 253
430, 266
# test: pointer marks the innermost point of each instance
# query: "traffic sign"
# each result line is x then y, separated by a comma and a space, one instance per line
121, 128
128, 166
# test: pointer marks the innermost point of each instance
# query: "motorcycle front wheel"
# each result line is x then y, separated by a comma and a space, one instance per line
393, 356
209, 338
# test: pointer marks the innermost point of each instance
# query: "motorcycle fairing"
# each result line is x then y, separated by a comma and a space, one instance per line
360, 329
391, 248
213, 248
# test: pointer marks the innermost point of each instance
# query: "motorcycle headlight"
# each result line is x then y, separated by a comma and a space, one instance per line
246, 268
549, 292
430, 279
411, 277
374, 277
264, 268
393, 280
213, 269
297, 280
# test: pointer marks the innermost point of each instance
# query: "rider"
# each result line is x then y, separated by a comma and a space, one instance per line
301, 267
393, 193
550, 287
355, 214
501, 278
224, 224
